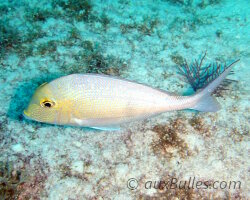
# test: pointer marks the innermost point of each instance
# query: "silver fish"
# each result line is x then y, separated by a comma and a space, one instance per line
99, 101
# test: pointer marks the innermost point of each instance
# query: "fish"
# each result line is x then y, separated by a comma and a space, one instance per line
105, 102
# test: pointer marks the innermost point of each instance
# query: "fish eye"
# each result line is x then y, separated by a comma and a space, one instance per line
47, 103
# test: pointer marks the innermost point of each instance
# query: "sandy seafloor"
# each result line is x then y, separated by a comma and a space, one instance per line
142, 41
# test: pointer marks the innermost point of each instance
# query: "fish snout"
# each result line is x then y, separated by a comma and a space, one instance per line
26, 115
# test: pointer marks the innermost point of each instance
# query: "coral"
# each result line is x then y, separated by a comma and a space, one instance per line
221, 89
9, 36
169, 139
105, 21
74, 33
200, 76
32, 189
126, 27
199, 125
204, 3
181, 2
92, 60
3, 122
39, 14
238, 134
4, 9
182, 194
189, 3
218, 33
177, 59
10, 181
23, 182
146, 27
12, 39
80, 10
47, 48
66, 171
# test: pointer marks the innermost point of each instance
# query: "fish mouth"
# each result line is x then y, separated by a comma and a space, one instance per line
26, 115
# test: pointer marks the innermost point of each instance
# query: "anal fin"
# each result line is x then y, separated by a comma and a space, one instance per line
84, 123
108, 128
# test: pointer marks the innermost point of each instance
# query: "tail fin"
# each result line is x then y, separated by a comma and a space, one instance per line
204, 101
207, 103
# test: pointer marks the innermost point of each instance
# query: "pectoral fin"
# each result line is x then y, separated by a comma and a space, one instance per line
79, 122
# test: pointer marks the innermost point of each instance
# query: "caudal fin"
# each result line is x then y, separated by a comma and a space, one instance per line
203, 100
207, 104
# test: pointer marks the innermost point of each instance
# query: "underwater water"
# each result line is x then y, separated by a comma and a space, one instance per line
176, 155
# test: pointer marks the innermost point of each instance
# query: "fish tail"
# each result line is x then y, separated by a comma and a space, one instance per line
203, 100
